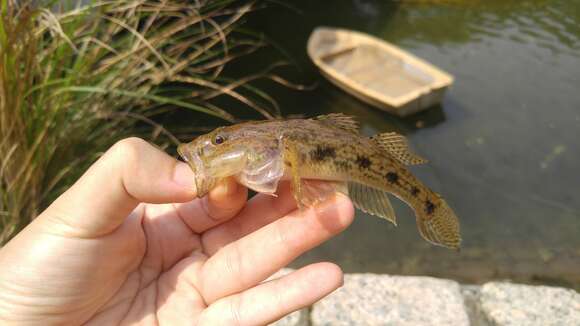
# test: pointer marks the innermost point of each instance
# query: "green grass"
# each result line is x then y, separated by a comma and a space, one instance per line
75, 79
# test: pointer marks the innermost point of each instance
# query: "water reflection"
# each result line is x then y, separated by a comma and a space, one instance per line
547, 23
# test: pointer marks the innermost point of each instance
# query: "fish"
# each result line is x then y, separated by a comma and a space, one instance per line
321, 156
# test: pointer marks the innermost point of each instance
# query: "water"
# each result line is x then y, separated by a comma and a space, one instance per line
504, 145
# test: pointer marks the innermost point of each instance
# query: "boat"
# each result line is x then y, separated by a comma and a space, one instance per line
376, 71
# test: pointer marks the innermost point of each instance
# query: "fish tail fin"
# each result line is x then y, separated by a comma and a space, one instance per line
438, 224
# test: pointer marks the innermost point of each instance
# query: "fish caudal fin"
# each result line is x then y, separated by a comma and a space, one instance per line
439, 225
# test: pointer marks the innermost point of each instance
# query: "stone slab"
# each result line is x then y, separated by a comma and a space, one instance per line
370, 299
504, 304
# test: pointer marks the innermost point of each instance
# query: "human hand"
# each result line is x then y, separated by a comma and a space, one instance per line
99, 255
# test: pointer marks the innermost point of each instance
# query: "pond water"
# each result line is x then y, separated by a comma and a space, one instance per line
504, 146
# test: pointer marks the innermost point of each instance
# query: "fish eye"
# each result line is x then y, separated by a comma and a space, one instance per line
219, 139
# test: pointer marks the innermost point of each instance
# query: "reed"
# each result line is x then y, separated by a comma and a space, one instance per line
76, 78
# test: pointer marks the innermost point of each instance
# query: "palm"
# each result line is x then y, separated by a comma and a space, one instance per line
166, 248
195, 268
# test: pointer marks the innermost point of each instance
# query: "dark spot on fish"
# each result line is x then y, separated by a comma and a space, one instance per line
322, 153
414, 191
392, 177
363, 162
288, 163
429, 207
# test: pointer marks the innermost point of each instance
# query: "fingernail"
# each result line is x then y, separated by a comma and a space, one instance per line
183, 176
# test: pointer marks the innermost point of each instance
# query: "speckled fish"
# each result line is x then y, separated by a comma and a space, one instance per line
329, 148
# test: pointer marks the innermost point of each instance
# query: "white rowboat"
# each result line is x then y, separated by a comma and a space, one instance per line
376, 71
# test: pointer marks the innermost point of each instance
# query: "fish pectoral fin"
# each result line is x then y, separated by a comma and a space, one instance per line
339, 120
371, 200
317, 191
397, 146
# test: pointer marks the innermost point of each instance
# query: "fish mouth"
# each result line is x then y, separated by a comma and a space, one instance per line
202, 182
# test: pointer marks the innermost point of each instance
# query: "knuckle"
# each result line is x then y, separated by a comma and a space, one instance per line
281, 236
123, 160
128, 147
233, 263
126, 151
226, 311
235, 304
278, 299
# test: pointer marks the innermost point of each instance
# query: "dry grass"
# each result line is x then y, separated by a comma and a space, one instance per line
75, 79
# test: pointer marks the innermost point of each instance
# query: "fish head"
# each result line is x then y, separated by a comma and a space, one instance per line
253, 155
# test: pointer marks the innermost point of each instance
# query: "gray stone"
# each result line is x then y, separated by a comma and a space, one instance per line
471, 295
370, 299
516, 304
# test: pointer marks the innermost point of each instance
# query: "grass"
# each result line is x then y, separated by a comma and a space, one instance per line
74, 79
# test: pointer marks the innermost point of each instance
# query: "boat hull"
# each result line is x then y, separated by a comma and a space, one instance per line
377, 72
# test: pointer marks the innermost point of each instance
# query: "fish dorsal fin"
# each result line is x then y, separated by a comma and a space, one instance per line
339, 120
371, 200
397, 146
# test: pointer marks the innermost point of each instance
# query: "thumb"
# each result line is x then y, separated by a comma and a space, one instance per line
130, 172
